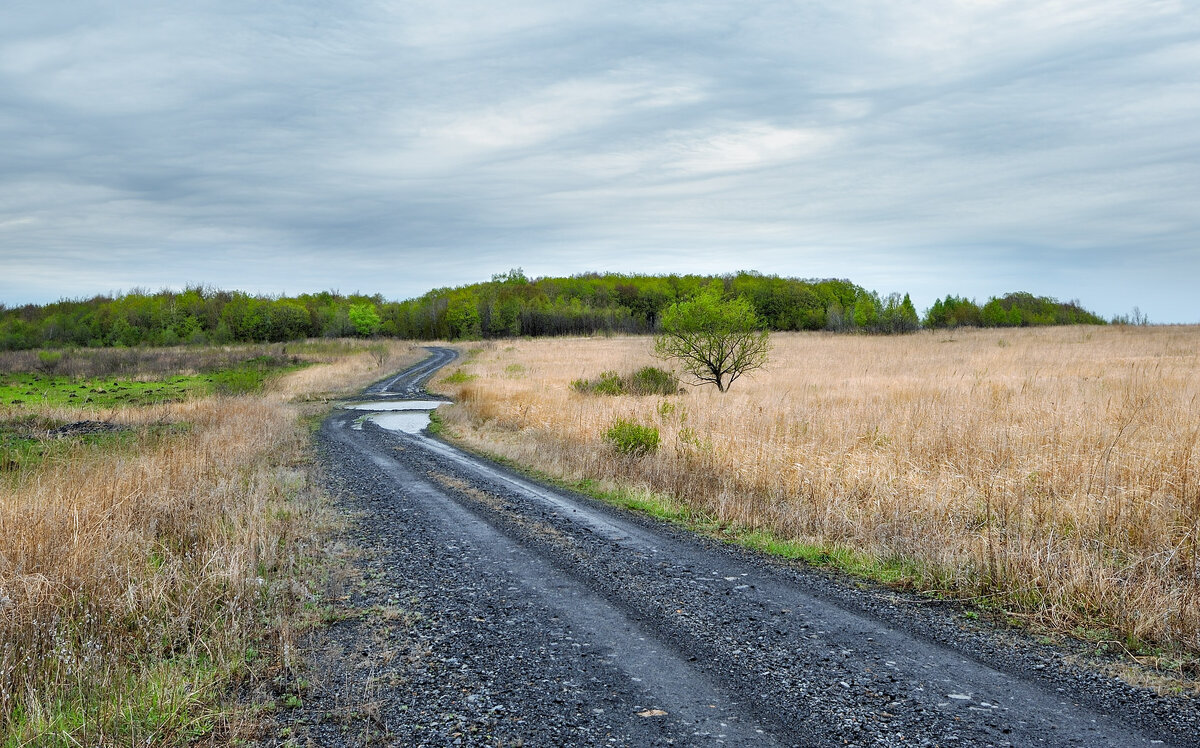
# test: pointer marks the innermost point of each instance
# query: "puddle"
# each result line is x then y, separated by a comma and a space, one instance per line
380, 406
409, 416
410, 422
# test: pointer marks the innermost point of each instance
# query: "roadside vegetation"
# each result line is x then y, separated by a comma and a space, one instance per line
159, 533
1043, 476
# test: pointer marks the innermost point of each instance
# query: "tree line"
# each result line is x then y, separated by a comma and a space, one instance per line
508, 305
1012, 310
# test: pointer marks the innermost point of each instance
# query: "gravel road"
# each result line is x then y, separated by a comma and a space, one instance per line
488, 609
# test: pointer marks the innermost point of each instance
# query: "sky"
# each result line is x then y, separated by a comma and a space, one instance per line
922, 146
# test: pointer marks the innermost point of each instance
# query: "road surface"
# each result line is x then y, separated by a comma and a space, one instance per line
489, 609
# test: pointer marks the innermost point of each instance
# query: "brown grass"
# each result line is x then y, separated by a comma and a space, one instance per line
134, 581
1052, 473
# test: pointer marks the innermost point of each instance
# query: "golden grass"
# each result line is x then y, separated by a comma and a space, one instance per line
1052, 473
347, 372
134, 580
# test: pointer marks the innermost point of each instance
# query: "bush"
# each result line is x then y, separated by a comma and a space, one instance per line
651, 380
458, 377
609, 383
648, 380
631, 438
48, 361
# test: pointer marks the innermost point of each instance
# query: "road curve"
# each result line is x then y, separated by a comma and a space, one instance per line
494, 610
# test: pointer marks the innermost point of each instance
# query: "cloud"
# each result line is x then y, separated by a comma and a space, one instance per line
392, 147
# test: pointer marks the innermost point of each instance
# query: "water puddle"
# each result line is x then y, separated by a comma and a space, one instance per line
380, 406
408, 416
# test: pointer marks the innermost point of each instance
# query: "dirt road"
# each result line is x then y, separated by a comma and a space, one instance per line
492, 610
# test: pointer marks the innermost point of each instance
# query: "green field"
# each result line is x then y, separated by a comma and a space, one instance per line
40, 390
28, 435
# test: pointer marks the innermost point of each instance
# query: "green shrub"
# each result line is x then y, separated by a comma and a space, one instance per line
458, 377
48, 361
648, 380
631, 438
609, 383
651, 380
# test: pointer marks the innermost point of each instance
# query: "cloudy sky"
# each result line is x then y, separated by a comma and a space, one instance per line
972, 147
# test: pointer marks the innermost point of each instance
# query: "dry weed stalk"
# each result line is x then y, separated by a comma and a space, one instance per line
131, 579
1052, 471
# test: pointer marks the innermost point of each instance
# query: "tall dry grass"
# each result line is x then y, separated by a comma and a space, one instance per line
1054, 473
135, 581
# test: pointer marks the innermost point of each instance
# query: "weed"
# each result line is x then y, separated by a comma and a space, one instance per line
648, 380
458, 377
632, 438
436, 424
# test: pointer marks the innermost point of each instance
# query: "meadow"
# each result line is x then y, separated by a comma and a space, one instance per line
160, 532
1049, 476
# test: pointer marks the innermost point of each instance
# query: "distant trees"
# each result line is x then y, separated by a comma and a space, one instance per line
1019, 309
953, 311
509, 305
715, 340
195, 315
364, 318
1136, 317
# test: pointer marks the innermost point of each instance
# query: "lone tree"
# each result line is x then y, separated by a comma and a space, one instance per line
714, 340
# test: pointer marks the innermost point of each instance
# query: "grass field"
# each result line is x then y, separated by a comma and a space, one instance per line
1051, 476
159, 534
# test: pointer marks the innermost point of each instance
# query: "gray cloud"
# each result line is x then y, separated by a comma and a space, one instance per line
935, 147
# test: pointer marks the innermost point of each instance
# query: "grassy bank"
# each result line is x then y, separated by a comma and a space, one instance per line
153, 547
1049, 475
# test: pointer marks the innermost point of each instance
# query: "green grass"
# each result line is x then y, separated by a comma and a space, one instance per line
37, 390
42, 390
27, 440
458, 377
171, 705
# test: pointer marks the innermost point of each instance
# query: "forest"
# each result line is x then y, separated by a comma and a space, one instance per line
508, 305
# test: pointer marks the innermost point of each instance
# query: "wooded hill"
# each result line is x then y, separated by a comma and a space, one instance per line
508, 305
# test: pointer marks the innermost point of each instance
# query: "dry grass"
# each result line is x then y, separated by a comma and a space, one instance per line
135, 581
1051, 473
346, 371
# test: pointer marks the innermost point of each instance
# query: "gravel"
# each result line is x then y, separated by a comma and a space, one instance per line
490, 610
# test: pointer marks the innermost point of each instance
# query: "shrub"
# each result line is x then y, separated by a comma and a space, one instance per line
48, 361
458, 377
651, 380
631, 438
609, 383
648, 380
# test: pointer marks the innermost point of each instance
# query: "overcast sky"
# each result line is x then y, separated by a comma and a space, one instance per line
974, 147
